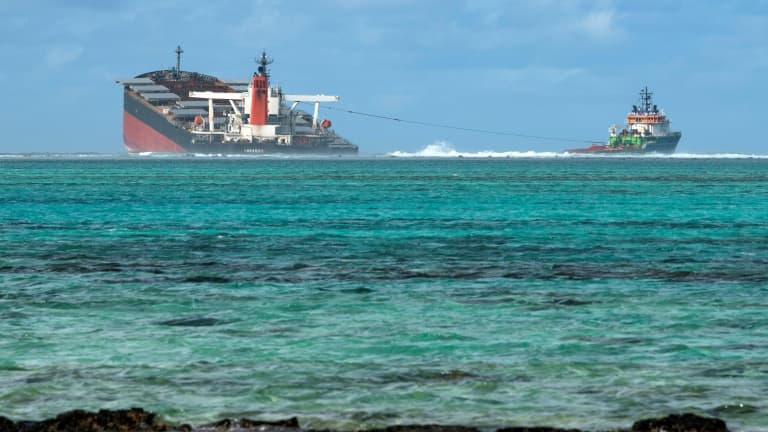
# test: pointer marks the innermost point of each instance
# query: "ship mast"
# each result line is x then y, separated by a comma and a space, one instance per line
178, 52
263, 61
645, 99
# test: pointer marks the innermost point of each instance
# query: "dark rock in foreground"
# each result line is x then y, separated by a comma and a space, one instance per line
425, 428
536, 429
138, 420
680, 423
6, 424
228, 425
134, 419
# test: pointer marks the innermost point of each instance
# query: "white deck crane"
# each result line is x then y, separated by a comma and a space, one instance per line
316, 99
231, 97
244, 97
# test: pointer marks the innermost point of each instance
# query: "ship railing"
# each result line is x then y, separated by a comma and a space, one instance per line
205, 132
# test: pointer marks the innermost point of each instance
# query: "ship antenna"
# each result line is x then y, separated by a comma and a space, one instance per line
263, 61
178, 52
645, 98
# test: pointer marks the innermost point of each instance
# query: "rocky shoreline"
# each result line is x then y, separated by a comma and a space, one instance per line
137, 419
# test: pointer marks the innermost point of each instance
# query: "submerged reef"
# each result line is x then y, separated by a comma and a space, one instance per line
137, 419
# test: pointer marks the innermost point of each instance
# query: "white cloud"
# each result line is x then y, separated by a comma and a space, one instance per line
265, 22
61, 55
531, 76
369, 35
505, 80
533, 21
599, 24
393, 101
371, 4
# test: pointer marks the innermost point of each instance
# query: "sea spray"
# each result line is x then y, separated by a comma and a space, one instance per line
443, 149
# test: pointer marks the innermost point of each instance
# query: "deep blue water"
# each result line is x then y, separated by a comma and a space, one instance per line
360, 292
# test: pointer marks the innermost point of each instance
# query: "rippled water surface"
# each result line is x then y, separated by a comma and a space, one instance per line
354, 293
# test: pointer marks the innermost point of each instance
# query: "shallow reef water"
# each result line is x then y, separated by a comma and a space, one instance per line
355, 293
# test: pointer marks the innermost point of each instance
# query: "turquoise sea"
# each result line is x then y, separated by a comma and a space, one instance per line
352, 293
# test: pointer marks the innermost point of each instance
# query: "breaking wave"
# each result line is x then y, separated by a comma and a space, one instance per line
707, 156
442, 149
55, 155
439, 149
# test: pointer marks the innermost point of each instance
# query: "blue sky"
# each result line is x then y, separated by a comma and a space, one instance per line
565, 68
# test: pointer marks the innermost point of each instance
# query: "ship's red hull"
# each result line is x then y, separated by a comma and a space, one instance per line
146, 129
140, 137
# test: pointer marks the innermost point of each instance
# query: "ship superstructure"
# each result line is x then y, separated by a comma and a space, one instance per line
179, 111
647, 131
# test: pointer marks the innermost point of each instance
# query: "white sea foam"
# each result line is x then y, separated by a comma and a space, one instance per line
708, 156
150, 154
439, 149
54, 155
442, 149
272, 156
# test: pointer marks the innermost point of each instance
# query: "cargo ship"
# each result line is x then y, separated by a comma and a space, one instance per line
176, 111
647, 131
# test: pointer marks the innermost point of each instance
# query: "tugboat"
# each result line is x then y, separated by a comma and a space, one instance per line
646, 131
